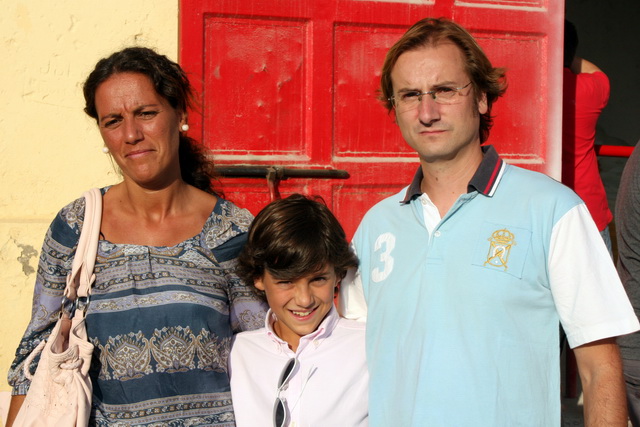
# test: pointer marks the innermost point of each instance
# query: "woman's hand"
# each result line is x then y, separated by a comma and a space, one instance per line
14, 407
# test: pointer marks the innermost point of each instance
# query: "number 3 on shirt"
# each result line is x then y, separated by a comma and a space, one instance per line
383, 247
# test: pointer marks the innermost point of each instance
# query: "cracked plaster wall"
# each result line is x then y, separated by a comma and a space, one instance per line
50, 152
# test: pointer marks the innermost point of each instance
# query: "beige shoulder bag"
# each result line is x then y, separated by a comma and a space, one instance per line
60, 391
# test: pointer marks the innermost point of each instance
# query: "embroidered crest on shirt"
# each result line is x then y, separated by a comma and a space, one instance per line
501, 242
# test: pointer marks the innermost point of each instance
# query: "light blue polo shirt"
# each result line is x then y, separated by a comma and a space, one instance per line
462, 329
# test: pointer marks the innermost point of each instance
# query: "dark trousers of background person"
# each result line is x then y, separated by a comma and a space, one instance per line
632, 382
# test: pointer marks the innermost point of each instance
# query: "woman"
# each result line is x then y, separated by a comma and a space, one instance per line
166, 300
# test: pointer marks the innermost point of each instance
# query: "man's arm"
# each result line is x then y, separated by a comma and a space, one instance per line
581, 65
600, 370
351, 302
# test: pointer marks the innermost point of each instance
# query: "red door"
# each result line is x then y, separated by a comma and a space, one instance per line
293, 83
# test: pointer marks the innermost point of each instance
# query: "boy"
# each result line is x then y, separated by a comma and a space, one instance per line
307, 365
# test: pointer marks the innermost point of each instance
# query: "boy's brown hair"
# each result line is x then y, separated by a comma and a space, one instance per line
294, 237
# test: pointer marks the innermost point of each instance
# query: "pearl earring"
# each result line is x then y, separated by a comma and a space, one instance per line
184, 127
105, 150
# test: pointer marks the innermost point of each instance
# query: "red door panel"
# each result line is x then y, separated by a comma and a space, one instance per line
293, 83
256, 67
362, 127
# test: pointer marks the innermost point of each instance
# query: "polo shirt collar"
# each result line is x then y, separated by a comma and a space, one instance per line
484, 181
316, 338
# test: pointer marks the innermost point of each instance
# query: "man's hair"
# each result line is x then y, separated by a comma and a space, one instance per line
431, 31
294, 237
570, 42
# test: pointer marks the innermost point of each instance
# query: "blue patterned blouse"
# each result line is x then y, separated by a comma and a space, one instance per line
161, 320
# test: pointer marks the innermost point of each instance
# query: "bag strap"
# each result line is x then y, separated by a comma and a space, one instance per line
81, 278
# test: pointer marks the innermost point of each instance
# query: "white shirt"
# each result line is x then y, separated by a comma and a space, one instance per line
328, 387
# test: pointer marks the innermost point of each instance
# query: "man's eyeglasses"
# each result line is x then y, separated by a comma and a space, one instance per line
279, 410
409, 100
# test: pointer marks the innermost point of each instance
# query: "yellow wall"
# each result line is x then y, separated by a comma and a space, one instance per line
50, 151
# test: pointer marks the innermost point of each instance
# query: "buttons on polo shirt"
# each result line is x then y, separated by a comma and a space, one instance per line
436, 233
424, 201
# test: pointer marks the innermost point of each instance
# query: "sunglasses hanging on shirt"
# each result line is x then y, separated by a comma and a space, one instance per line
279, 408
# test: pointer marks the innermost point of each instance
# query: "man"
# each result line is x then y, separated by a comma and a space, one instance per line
466, 273
585, 94
628, 233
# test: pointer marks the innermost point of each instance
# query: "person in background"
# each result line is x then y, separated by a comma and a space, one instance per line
306, 359
465, 274
585, 94
628, 237
166, 300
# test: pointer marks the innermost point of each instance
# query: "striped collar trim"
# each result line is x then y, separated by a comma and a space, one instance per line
484, 181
